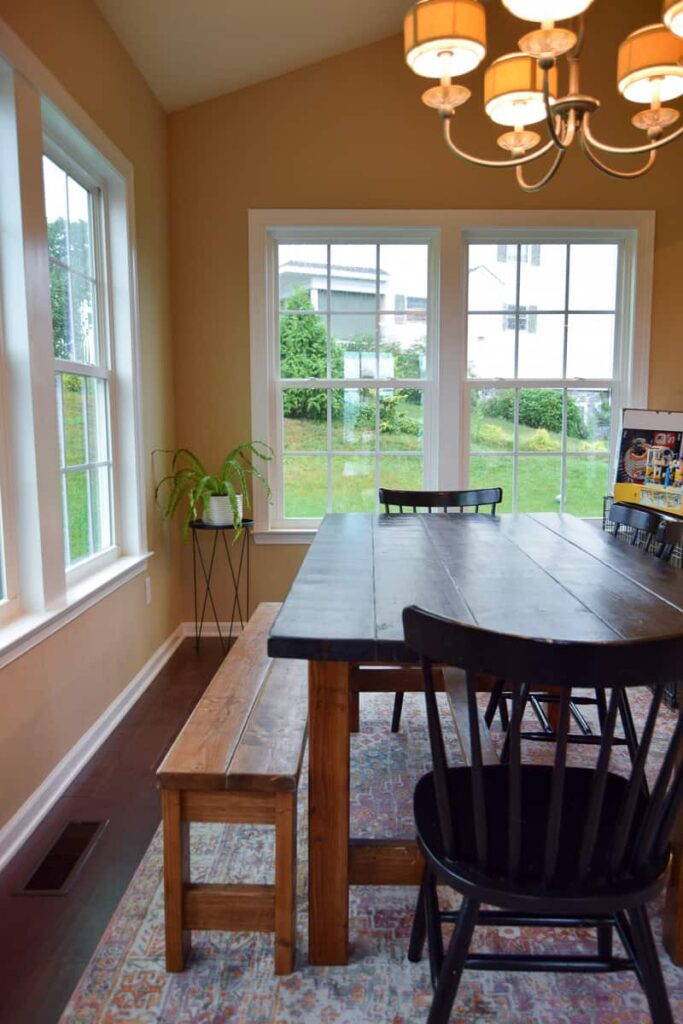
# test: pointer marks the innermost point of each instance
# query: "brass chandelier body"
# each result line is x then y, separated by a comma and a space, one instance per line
445, 39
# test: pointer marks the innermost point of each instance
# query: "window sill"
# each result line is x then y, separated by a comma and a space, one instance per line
21, 634
284, 536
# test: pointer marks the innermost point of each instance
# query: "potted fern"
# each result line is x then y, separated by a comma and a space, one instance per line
218, 499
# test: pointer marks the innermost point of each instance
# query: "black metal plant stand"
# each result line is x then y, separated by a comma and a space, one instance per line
237, 558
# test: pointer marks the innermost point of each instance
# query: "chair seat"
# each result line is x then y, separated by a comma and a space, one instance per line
536, 803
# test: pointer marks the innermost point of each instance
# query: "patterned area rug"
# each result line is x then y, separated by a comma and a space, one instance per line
230, 976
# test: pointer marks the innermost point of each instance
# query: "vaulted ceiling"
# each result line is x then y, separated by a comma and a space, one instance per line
191, 51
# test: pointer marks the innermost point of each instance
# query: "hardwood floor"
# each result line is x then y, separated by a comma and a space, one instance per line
46, 941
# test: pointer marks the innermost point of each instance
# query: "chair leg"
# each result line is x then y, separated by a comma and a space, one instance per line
650, 968
418, 932
433, 920
494, 701
396, 717
453, 965
605, 936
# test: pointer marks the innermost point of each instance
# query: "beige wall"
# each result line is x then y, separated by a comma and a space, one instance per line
53, 694
351, 132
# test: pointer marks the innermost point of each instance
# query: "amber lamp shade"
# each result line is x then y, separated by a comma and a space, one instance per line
672, 16
513, 90
444, 38
648, 68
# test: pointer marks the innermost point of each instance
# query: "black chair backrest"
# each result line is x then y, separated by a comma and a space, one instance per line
442, 501
619, 832
661, 530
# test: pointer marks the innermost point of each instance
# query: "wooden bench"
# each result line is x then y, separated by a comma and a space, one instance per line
237, 761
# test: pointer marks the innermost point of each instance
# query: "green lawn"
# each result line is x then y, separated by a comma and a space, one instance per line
354, 487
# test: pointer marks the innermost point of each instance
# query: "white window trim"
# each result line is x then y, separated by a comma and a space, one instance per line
33, 105
454, 228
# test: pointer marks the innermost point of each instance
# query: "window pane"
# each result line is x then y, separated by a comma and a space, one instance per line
538, 483
303, 276
490, 346
402, 472
354, 345
305, 484
403, 345
303, 345
543, 277
353, 278
493, 471
54, 184
83, 311
588, 420
492, 277
492, 415
403, 272
354, 412
80, 229
590, 345
587, 481
353, 484
73, 419
76, 482
401, 420
541, 344
540, 420
101, 508
593, 276
60, 301
98, 419
305, 419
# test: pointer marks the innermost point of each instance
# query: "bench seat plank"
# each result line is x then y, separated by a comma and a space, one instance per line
202, 753
271, 749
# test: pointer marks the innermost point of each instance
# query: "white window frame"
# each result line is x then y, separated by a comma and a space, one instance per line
36, 113
449, 435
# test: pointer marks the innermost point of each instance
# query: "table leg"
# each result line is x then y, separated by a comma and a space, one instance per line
328, 812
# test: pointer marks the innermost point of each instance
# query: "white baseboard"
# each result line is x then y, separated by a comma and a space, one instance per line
30, 814
210, 629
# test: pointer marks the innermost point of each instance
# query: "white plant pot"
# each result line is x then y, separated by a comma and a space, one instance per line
218, 511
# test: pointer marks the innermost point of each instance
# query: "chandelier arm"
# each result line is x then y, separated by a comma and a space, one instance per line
548, 176
481, 162
613, 172
626, 150
560, 139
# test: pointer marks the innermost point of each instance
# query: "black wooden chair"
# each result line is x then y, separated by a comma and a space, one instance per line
656, 531
435, 501
440, 501
547, 845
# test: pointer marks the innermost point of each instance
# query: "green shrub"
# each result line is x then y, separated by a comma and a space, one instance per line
541, 441
491, 435
538, 407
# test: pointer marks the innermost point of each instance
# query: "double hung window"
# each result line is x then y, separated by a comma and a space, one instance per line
70, 458
540, 401
81, 353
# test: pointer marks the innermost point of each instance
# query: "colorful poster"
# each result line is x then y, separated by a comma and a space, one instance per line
635, 442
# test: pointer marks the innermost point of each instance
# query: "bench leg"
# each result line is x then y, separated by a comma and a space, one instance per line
176, 877
285, 882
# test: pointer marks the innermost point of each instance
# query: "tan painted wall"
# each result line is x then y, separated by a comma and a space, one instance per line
351, 132
53, 694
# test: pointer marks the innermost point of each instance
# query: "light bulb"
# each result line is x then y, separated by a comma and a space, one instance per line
546, 10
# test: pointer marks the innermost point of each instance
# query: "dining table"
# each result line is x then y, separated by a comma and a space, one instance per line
547, 575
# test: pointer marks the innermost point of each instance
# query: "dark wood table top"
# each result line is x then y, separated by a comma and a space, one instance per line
545, 575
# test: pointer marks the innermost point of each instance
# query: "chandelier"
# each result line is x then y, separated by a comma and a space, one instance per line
445, 39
